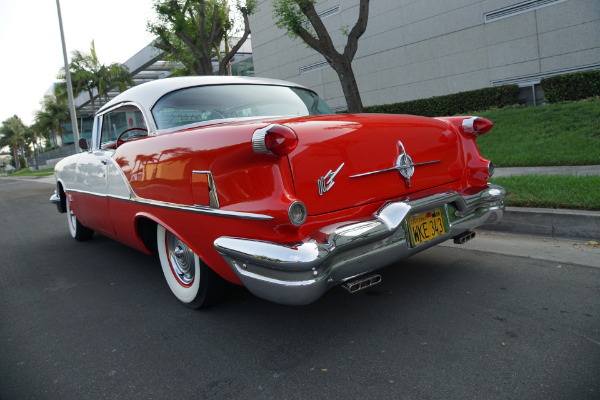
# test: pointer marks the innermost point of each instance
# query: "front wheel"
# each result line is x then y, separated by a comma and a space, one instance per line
193, 282
78, 231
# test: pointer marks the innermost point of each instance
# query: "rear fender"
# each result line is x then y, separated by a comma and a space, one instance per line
200, 244
478, 169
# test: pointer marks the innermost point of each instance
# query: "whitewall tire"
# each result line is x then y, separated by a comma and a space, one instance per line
188, 277
78, 231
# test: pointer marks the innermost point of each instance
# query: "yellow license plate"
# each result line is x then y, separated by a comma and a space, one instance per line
427, 226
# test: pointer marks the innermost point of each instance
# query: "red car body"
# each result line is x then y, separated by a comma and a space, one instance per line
288, 206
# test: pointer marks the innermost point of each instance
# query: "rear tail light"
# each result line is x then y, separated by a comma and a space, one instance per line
476, 126
274, 139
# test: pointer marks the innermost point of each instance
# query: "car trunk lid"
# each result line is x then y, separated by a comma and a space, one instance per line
347, 160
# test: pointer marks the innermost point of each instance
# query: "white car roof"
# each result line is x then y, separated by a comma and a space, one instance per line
147, 94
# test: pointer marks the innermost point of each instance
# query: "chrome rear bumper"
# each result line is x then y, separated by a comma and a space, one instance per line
299, 273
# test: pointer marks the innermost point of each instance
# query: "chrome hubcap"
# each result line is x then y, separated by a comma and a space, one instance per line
181, 258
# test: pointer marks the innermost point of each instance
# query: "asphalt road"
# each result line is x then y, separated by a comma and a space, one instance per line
96, 320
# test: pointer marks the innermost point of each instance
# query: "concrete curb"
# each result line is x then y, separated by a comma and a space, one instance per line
563, 224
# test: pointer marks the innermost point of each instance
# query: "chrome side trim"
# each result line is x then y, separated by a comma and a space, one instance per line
299, 273
95, 194
198, 209
403, 164
212, 188
205, 210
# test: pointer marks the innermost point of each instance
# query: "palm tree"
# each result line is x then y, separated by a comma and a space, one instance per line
30, 141
51, 117
89, 75
12, 134
39, 131
117, 77
84, 74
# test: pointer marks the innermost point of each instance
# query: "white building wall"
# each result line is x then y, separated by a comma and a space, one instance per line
422, 48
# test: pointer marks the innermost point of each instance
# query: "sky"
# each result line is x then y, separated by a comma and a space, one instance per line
30, 46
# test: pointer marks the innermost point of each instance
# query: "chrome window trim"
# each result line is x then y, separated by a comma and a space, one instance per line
150, 125
268, 82
96, 129
223, 120
218, 122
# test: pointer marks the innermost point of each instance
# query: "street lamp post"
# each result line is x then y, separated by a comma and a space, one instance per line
69, 85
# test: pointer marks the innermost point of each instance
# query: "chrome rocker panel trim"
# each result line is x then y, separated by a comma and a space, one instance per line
300, 273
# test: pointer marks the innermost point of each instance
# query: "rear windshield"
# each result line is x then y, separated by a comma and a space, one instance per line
206, 103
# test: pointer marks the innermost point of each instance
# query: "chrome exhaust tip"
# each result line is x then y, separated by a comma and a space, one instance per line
361, 283
464, 237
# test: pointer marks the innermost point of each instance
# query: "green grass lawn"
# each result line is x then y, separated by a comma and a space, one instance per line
552, 191
556, 134
27, 172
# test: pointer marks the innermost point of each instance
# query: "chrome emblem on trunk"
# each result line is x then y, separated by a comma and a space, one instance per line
404, 165
326, 182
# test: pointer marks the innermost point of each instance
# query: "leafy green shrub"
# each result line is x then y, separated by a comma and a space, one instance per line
458, 103
571, 87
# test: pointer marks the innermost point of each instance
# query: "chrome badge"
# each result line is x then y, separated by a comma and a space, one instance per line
404, 165
326, 182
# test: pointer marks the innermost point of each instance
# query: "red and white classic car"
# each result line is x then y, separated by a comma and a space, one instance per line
256, 182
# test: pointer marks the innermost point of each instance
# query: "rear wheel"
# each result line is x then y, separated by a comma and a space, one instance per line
193, 282
78, 231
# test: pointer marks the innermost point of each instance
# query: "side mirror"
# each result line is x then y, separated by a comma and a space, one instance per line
83, 144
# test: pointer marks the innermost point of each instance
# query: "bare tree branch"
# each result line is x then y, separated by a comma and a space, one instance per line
223, 63
358, 30
213, 28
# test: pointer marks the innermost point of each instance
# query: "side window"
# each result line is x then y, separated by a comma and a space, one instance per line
116, 122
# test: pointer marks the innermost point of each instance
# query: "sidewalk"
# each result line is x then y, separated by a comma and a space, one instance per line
565, 224
578, 170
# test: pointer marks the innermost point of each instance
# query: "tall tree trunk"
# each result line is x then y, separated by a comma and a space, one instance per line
16, 156
345, 73
92, 103
322, 43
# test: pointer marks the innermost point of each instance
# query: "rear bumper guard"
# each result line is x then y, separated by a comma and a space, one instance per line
299, 273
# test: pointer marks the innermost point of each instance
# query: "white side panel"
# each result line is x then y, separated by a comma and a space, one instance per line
117, 183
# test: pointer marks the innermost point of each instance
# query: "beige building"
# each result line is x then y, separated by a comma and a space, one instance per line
422, 48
